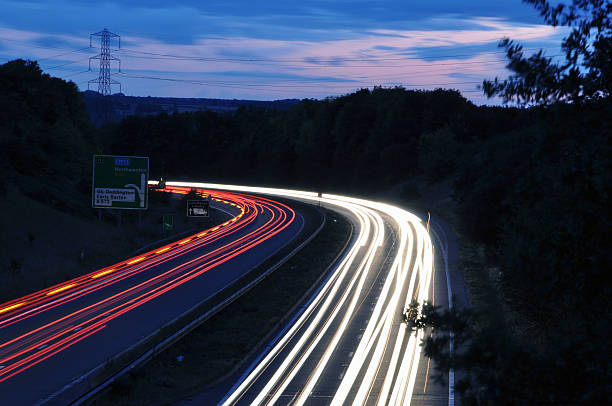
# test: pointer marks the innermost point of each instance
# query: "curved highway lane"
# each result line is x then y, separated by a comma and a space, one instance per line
53, 336
349, 344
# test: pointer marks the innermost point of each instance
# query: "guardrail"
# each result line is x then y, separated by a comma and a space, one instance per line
175, 336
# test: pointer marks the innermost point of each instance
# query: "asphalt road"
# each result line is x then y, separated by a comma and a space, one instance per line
348, 343
53, 337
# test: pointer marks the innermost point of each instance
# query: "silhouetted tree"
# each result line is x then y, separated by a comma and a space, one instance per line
586, 73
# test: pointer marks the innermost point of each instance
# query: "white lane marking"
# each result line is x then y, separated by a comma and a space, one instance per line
451, 371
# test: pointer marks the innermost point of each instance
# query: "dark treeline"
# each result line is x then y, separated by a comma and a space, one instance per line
363, 142
113, 108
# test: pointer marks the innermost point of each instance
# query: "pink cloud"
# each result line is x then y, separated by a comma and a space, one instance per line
263, 68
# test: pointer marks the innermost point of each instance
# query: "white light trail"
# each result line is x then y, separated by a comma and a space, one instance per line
317, 333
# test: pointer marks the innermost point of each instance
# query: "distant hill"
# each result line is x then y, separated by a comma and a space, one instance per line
115, 107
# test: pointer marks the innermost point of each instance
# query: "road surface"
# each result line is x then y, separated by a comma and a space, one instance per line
348, 344
51, 338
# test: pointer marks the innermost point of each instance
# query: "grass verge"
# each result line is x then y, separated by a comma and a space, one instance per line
480, 275
219, 345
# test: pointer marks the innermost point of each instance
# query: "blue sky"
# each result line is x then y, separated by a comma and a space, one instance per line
276, 49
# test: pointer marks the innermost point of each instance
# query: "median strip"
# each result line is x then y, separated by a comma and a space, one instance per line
207, 348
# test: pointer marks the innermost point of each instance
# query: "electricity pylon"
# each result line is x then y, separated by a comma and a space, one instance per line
104, 80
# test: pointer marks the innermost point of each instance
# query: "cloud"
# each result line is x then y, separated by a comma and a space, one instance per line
268, 50
184, 20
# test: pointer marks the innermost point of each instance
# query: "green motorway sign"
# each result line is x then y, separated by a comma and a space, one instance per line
120, 182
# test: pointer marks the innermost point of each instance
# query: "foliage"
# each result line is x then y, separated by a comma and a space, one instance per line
361, 142
46, 139
538, 198
491, 369
438, 152
586, 73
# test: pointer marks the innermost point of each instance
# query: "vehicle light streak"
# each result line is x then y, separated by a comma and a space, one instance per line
330, 287
63, 288
386, 360
102, 273
36, 299
135, 260
358, 281
156, 277
329, 350
132, 300
9, 308
31, 347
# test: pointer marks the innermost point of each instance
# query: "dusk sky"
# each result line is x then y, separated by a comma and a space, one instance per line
267, 50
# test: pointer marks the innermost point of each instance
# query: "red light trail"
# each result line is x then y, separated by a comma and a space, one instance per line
108, 293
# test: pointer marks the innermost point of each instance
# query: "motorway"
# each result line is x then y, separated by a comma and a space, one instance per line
348, 344
52, 339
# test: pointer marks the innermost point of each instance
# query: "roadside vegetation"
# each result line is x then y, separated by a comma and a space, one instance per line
527, 189
534, 206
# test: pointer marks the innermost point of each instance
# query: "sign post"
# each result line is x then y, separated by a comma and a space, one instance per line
120, 182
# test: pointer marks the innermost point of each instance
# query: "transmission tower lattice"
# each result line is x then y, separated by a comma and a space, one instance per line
104, 80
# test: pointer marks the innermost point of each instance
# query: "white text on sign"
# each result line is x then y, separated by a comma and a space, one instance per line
106, 196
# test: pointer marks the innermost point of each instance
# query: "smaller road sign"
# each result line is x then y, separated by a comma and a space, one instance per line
197, 208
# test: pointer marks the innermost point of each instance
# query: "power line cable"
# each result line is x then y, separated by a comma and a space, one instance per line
67, 63
62, 54
76, 74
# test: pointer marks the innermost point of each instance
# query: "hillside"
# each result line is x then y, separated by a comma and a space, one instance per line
115, 107
46, 137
